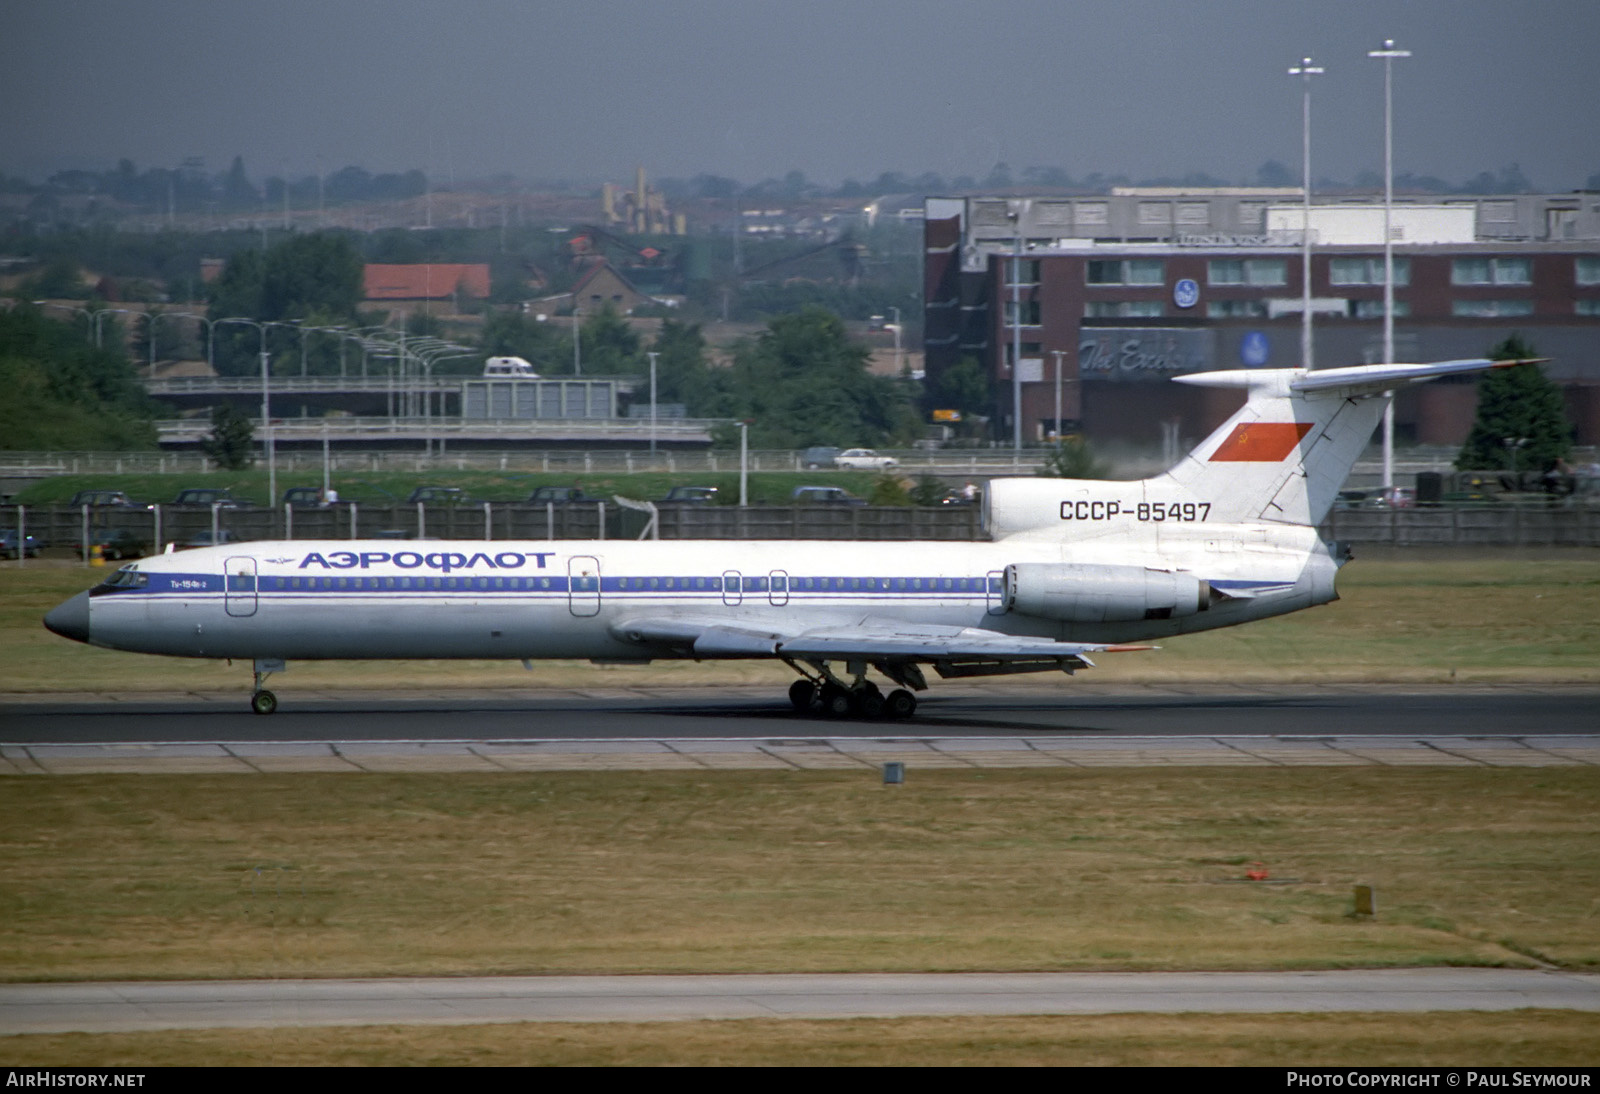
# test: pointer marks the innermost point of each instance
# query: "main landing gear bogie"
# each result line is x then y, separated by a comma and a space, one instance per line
831, 700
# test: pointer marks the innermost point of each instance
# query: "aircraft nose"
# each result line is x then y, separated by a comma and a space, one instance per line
70, 619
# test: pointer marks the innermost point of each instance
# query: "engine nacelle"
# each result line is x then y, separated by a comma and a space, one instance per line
1077, 593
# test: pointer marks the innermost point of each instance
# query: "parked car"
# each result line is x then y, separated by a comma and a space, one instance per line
558, 495
204, 539
308, 497
690, 495
864, 459
207, 496
817, 457
439, 495
824, 495
100, 497
9, 545
114, 543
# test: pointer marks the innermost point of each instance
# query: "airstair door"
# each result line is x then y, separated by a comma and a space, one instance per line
583, 585
239, 576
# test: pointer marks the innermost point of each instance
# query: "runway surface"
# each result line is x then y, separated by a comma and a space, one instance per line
758, 712
745, 728
129, 1006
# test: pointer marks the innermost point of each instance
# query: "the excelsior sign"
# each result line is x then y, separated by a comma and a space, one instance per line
1127, 354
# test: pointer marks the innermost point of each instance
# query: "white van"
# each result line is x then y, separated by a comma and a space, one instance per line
509, 366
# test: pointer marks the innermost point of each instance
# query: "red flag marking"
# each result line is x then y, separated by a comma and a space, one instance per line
1260, 442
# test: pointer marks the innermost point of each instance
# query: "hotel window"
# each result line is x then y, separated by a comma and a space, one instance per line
1366, 271
1588, 271
1196, 213
1373, 309
1491, 271
1236, 309
1027, 271
1247, 271
1133, 271
1588, 307
1122, 309
1027, 310
1491, 309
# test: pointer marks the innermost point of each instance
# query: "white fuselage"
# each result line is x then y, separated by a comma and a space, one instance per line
571, 599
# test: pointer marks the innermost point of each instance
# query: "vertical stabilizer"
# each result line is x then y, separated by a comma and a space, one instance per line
1288, 451
1283, 457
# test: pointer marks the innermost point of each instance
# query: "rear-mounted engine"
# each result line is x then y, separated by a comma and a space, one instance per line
1103, 594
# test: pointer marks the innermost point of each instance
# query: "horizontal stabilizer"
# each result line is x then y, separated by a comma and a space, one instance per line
1371, 379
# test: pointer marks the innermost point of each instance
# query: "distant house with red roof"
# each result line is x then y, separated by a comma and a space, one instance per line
454, 281
601, 284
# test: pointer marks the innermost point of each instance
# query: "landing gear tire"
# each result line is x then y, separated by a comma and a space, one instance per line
900, 704
835, 701
263, 702
802, 694
867, 702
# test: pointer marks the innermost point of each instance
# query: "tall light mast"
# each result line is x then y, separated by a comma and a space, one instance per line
1305, 71
1388, 54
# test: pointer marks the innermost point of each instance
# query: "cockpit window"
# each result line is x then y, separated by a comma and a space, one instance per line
126, 578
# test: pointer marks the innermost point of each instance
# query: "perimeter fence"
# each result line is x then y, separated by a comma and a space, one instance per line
126, 531
129, 530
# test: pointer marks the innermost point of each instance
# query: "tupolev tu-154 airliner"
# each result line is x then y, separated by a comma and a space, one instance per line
1074, 568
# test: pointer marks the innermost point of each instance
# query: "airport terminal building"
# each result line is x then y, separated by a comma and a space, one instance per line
1116, 293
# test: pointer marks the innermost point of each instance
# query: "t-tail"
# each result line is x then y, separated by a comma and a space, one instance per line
1281, 458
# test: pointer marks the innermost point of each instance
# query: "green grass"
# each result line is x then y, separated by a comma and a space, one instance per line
180, 876
1529, 1038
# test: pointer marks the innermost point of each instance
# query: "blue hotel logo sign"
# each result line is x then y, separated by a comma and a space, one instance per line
1186, 293
1254, 349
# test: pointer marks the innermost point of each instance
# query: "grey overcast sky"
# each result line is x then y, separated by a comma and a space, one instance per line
834, 88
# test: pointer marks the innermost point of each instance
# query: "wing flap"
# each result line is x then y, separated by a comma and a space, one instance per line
867, 640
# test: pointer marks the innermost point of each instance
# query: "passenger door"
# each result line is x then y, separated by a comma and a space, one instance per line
239, 577
583, 585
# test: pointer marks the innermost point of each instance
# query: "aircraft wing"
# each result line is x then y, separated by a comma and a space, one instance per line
870, 639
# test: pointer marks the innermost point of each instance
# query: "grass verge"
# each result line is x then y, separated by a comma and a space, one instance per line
1529, 1038
131, 877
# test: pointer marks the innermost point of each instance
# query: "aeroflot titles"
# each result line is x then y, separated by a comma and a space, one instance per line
443, 561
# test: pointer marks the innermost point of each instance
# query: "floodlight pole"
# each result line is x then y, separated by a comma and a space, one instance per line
1016, 331
1057, 353
1388, 54
744, 464
1305, 70
577, 338
266, 419
653, 355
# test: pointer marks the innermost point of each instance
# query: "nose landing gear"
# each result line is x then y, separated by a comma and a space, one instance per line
263, 701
